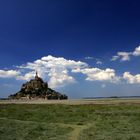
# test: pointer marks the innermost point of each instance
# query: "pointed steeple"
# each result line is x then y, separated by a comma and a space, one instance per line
36, 76
36, 73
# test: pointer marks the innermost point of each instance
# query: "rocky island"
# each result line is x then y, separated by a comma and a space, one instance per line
37, 89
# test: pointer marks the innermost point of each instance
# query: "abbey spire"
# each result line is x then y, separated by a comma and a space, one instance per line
36, 75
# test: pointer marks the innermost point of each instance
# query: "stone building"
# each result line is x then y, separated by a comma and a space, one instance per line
36, 89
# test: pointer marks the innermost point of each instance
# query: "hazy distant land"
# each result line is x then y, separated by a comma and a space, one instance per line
89, 100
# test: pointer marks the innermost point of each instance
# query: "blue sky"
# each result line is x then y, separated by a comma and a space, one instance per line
84, 48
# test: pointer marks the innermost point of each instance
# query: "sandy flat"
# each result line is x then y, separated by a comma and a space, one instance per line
74, 102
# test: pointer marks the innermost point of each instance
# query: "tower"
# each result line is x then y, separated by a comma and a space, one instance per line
36, 75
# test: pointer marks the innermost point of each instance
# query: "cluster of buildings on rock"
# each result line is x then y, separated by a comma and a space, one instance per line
36, 89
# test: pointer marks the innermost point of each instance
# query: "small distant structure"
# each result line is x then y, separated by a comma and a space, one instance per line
36, 76
37, 89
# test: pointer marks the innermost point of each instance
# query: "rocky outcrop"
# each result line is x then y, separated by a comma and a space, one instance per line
36, 89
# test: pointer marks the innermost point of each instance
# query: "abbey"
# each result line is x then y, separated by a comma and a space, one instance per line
37, 89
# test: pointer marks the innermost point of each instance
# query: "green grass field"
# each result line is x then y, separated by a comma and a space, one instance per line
69, 122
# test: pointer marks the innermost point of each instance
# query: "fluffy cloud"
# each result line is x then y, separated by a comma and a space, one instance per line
132, 79
56, 69
59, 72
137, 51
58, 78
125, 56
26, 76
9, 73
96, 74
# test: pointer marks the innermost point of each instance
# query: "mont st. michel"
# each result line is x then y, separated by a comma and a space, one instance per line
37, 89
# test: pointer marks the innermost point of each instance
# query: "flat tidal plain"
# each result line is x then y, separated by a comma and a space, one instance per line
109, 119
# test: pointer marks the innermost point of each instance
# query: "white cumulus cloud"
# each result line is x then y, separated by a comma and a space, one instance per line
59, 72
123, 56
27, 76
9, 73
132, 79
56, 69
96, 74
137, 51
126, 56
